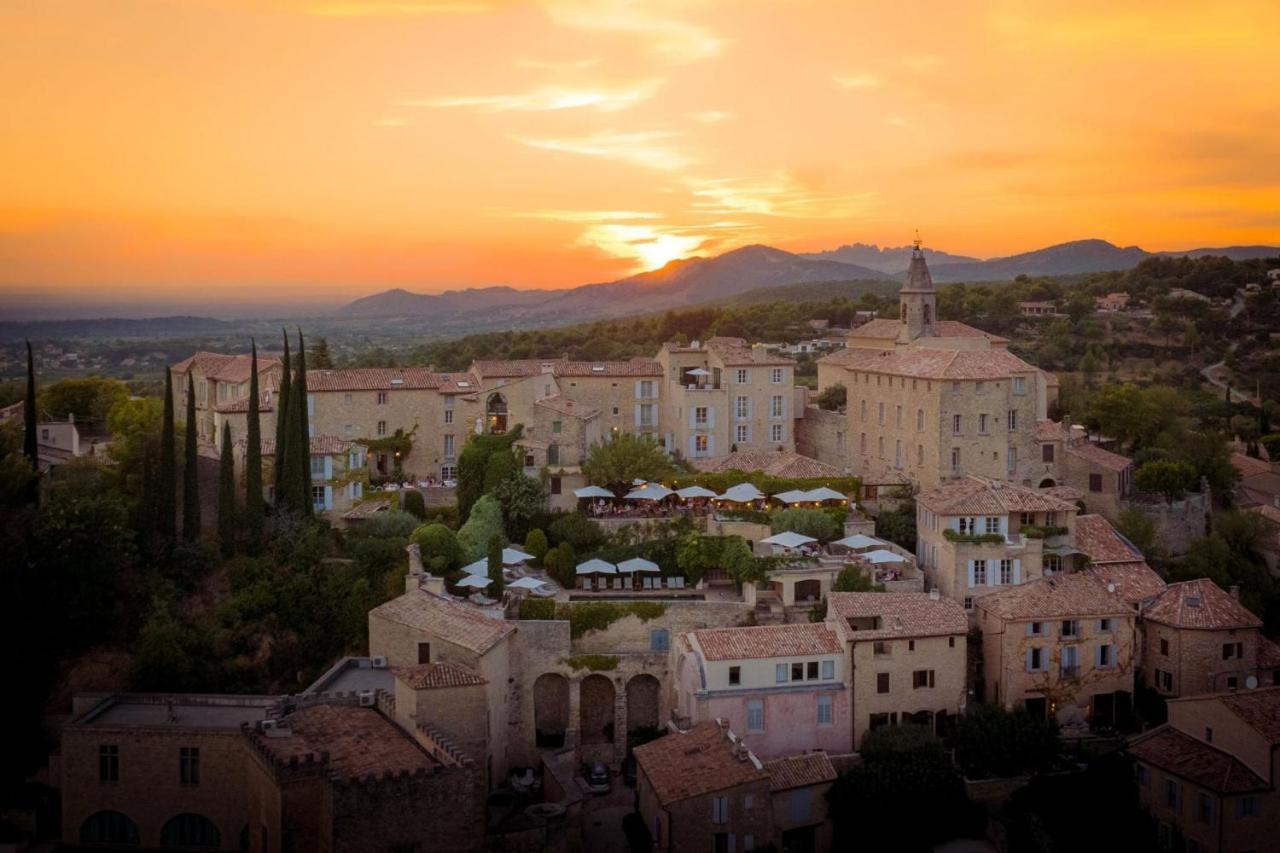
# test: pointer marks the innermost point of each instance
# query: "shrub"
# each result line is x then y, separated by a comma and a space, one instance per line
577, 530
539, 609
441, 553
536, 544
990, 741
807, 522
853, 579
393, 524
485, 520
587, 616
560, 562
833, 398
413, 503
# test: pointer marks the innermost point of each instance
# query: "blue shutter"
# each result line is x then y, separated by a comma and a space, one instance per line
1017, 571
711, 445
328, 467
971, 573
328, 497
637, 420
711, 416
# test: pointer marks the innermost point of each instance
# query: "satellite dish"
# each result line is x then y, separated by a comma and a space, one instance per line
1251, 682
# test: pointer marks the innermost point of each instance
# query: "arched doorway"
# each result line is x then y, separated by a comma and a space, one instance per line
108, 827
496, 414
596, 709
810, 590
1047, 483
190, 830
644, 701
550, 710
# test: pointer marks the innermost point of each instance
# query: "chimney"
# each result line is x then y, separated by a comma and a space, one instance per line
934, 594
1234, 591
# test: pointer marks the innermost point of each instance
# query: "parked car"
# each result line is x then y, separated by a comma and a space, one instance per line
598, 780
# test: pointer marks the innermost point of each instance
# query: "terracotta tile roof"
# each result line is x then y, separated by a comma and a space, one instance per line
1134, 582
1070, 494
242, 405
205, 362
236, 369
1183, 755
1267, 511
1248, 466
1054, 431
1060, 596
428, 676
367, 508
321, 445
736, 352
1260, 710
688, 764
1268, 654
902, 614
799, 771
775, 463
1095, 454
885, 327
511, 369
359, 741
801, 639
564, 406
1103, 543
932, 363
1199, 604
978, 496
457, 623
373, 379
634, 367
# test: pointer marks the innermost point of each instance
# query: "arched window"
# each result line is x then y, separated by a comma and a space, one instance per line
190, 830
496, 414
108, 828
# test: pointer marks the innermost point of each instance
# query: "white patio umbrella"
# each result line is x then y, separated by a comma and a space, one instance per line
596, 567
794, 496
592, 492
474, 581
649, 492
514, 556
479, 567
638, 482
742, 493
638, 564
526, 583
883, 556
788, 539
694, 492
858, 540
699, 371
822, 493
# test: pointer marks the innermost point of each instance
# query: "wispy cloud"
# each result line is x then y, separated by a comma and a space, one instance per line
549, 99
778, 196
665, 35
856, 81
398, 8
587, 215
650, 149
712, 116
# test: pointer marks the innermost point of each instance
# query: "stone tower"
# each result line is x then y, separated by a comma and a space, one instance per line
917, 301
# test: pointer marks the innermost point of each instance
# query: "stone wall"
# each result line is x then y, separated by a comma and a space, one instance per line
631, 635
1180, 523
823, 435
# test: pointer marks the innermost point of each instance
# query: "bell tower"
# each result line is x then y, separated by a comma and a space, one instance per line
917, 300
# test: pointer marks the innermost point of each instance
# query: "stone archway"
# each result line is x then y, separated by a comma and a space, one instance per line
495, 410
550, 710
808, 590
596, 710
1047, 483
644, 703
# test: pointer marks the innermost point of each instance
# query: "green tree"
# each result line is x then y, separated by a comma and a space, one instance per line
992, 741
283, 410
536, 544
302, 437
500, 466
227, 525
135, 426
496, 584
30, 441
561, 563
87, 399
166, 472
583, 534
320, 358
414, 504
523, 500
484, 521
439, 547
1170, 479
806, 522
1138, 528
253, 506
15, 471
854, 579
833, 398
627, 457
473, 466
191, 471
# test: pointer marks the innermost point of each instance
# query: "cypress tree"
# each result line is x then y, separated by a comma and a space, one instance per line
30, 445
227, 495
282, 432
303, 434
167, 479
496, 582
253, 456
147, 506
190, 471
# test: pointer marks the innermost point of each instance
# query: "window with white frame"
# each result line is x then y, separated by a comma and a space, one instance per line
317, 466
828, 670
700, 444
979, 572
1006, 572
448, 416
982, 424
1019, 385
897, 454
824, 710
448, 472
957, 423
646, 415
775, 432
743, 376
1013, 459
448, 446
780, 673
992, 523
1013, 420
382, 427
719, 810
775, 376
646, 389
755, 715
741, 407
775, 406
955, 459
700, 416
740, 433
382, 398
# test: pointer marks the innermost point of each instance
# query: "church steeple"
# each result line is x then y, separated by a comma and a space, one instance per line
917, 300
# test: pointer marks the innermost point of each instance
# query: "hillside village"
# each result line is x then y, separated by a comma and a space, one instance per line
682, 601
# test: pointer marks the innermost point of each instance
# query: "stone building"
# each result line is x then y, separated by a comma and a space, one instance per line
1062, 647
1067, 458
906, 655
786, 687
704, 789
1209, 776
220, 380
339, 477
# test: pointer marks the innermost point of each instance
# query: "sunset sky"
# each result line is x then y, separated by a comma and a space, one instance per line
291, 148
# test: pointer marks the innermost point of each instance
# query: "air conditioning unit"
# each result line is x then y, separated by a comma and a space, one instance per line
378, 662
368, 699
268, 725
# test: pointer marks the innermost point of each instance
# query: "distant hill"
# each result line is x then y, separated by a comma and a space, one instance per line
1235, 253
402, 303
812, 291
886, 260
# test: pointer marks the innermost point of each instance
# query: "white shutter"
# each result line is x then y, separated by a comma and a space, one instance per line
1017, 571
711, 416
637, 389
1029, 666
328, 467
637, 420
328, 497
711, 445
751, 406
971, 573
692, 445
693, 417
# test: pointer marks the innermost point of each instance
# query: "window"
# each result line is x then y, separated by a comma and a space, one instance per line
882, 682
1013, 420
755, 715
720, 810
448, 416
348, 430
424, 653
828, 670
1208, 734
108, 763
317, 466
921, 678
775, 406
318, 497
1204, 809
800, 805
797, 671
700, 444
862, 443
1013, 460
864, 410
880, 413
1247, 807
741, 433
1070, 662
382, 398
880, 447
646, 389
920, 454
1070, 628
1232, 682
882, 647
897, 454
1104, 625
775, 432
1106, 656
1095, 482
1019, 385
659, 640
1232, 650
1006, 572
957, 423
189, 765
1164, 680
1046, 453
449, 473
1035, 660
700, 416
556, 485
741, 407
824, 711
449, 446
735, 675
898, 417
911, 645
968, 603
780, 673
992, 523
982, 424
811, 670
646, 415
979, 572
742, 377
1164, 647
1035, 629
553, 454
555, 427
919, 420
955, 460
775, 376
382, 427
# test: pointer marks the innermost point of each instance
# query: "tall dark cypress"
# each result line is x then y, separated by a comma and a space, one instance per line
303, 435
283, 412
253, 456
30, 445
190, 471
167, 473
147, 505
227, 495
